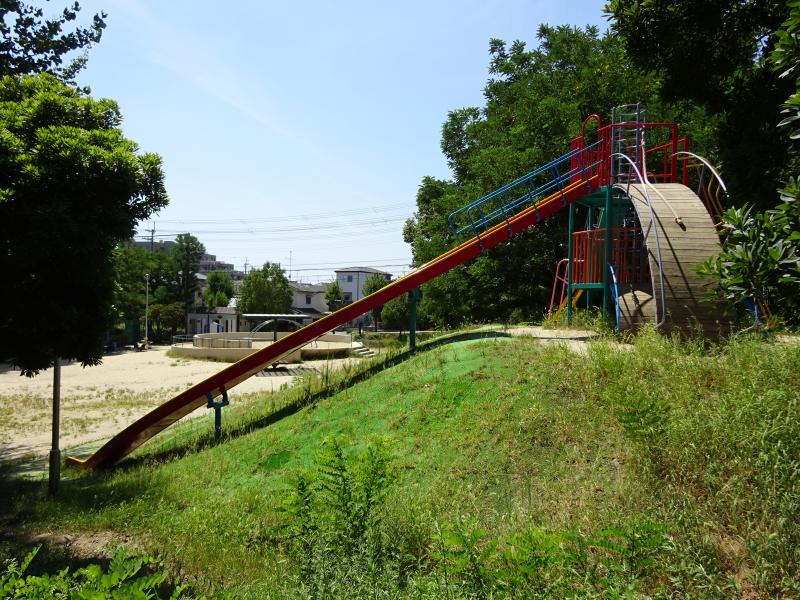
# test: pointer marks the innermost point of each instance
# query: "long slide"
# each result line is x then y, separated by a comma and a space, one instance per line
487, 222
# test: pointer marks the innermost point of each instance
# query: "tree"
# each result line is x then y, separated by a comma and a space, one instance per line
785, 60
186, 255
714, 53
760, 259
372, 284
265, 290
394, 313
167, 316
334, 296
131, 264
219, 289
29, 43
71, 188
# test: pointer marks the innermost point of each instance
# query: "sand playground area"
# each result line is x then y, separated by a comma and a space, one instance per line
97, 402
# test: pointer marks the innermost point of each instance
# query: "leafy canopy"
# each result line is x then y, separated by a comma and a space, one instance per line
536, 100
334, 296
761, 256
31, 43
72, 187
372, 284
394, 314
265, 290
785, 60
714, 54
186, 255
219, 289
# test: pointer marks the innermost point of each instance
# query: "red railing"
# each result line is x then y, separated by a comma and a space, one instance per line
627, 255
662, 163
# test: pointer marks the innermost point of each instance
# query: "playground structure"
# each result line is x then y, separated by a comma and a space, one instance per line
645, 230
637, 252
235, 346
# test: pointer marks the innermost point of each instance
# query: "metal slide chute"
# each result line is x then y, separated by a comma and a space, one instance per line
526, 195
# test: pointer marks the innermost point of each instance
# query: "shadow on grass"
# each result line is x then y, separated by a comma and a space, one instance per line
207, 440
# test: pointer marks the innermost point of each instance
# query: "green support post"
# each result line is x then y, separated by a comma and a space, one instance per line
217, 406
569, 263
607, 250
414, 296
590, 258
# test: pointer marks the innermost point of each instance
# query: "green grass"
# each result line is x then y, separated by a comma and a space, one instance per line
517, 470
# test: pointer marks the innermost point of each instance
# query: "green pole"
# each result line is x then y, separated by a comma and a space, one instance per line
413, 297
569, 263
607, 250
590, 258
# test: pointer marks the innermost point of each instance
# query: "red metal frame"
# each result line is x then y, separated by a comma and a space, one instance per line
627, 255
662, 155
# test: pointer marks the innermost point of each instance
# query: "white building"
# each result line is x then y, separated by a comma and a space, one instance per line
309, 298
352, 279
221, 319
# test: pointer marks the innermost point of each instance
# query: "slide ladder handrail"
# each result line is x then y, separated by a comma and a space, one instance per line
503, 203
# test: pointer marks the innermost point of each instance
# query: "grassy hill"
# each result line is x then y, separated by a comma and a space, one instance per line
494, 468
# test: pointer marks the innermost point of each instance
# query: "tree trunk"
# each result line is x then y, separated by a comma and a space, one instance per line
55, 452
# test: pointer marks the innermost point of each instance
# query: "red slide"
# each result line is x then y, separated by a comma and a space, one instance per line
181, 405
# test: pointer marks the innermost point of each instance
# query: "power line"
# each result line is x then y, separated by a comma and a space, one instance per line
311, 235
338, 225
298, 217
404, 264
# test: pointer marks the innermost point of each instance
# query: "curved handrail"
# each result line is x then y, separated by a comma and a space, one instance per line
616, 292
707, 164
715, 173
592, 116
646, 182
655, 230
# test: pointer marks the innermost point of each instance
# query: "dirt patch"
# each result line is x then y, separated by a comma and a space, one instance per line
97, 545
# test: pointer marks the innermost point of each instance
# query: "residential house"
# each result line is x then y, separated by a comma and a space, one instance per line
309, 298
352, 280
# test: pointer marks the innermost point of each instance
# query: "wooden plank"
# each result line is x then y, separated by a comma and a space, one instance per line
682, 249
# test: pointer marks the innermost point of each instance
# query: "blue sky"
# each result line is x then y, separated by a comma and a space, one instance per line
301, 129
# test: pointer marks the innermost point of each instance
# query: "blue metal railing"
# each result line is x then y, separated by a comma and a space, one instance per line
504, 203
614, 293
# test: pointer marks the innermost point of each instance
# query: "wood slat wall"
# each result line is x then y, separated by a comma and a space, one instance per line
683, 248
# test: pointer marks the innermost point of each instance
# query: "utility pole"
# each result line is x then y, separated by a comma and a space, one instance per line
290, 265
245, 265
152, 237
146, 308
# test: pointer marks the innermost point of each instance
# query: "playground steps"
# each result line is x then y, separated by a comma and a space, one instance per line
362, 351
683, 248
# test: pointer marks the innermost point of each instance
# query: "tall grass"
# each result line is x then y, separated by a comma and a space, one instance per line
503, 468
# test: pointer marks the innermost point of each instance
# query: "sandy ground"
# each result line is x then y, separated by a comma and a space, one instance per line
97, 402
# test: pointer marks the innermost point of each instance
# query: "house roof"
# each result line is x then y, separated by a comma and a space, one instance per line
307, 287
291, 316
308, 310
361, 270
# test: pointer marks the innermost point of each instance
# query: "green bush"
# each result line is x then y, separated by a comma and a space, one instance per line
127, 577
